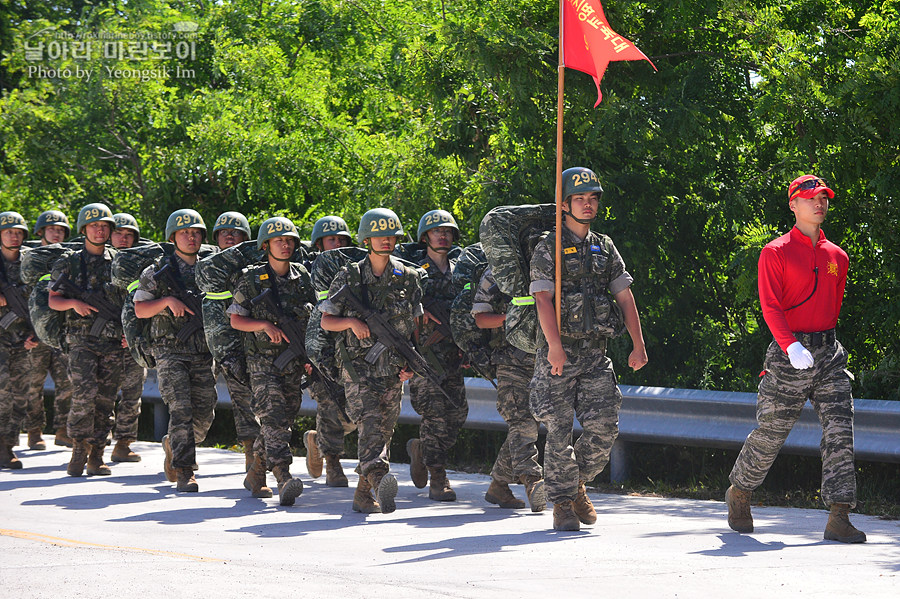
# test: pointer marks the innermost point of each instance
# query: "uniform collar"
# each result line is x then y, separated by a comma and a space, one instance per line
798, 235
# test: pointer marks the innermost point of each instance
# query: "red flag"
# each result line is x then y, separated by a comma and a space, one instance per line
589, 44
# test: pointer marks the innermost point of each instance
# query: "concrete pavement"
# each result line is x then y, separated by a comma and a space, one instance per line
131, 535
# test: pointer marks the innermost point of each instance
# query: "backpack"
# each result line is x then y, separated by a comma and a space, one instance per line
468, 337
37, 262
509, 235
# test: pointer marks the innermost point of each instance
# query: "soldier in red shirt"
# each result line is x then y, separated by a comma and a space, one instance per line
801, 286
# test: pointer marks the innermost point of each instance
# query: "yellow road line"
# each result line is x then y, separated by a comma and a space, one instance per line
32, 536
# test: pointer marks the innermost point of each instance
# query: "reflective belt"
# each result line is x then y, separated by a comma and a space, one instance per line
322, 295
524, 300
219, 295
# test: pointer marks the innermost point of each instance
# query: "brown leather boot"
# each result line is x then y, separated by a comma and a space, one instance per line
583, 507
289, 488
168, 468
739, 517
79, 458
417, 471
499, 494
313, 455
440, 487
186, 483
248, 454
122, 452
564, 517
839, 527
95, 465
35, 441
534, 490
363, 502
334, 473
62, 438
8, 459
255, 481
385, 487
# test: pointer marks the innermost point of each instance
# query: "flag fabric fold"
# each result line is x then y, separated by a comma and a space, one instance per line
589, 43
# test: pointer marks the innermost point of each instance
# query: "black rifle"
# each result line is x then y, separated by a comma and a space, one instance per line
387, 337
296, 335
190, 299
15, 299
439, 310
106, 310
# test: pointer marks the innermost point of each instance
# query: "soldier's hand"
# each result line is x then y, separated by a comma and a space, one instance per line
638, 358
556, 355
177, 307
83, 309
405, 374
31, 342
360, 329
124, 342
431, 317
307, 368
275, 334
2, 300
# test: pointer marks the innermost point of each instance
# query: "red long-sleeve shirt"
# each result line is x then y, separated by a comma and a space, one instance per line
786, 278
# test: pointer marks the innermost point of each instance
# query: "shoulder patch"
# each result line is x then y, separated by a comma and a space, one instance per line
263, 276
596, 248
398, 271
570, 250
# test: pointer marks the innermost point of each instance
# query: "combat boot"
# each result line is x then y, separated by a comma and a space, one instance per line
417, 471
122, 452
313, 455
534, 490
62, 438
499, 494
385, 486
35, 441
839, 527
255, 481
564, 517
95, 465
583, 507
334, 473
168, 468
739, 517
8, 459
289, 489
79, 458
248, 454
440, 487
363, 502
186, 483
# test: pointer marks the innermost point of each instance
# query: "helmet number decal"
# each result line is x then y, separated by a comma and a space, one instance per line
183, 220
329, 226
436, 218
583, 178
277, 227
384, 224
228, 222
9, 219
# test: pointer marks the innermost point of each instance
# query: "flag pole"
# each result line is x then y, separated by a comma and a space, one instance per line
560, 85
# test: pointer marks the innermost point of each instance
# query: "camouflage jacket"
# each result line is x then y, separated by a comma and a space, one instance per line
490, 300
438, 286
19, 330
592, 270
91, 273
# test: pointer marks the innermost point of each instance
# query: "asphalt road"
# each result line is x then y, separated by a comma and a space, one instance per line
130, 535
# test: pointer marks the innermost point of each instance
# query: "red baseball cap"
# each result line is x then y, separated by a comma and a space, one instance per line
807, 186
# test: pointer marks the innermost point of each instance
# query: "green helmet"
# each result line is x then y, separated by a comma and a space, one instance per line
13, 220
184, 219
378, 222
277, 226
93, 213
52, 217
329, 225
126, 221
232, 220
434, 219
579, 179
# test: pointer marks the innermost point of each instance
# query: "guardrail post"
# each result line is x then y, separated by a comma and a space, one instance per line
619, 467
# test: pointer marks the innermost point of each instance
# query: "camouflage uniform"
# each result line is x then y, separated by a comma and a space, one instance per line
95, 363
132, 388
184, 369
46, 359
373, 390
441, 418
587, 389
15, 366
276, 394
518, 456
245, 423
331, 425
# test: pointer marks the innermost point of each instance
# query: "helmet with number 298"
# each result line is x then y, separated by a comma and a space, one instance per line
277, 226
378, 222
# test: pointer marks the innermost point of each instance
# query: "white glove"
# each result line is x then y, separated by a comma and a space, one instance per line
800, 357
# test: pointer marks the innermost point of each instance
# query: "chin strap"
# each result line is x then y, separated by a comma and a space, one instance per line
583, 221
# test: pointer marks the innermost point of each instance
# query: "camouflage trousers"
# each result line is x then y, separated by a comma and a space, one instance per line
519, 455
331, 424
15, 384
95, 369
782, 392
128, 411
188, 389
374, 405
245, 423
276, 401
441, 418
46, 359
587, 390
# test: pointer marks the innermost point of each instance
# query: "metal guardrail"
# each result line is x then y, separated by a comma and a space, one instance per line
689, 417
